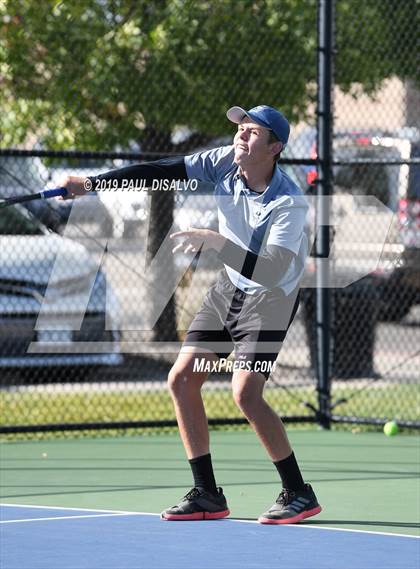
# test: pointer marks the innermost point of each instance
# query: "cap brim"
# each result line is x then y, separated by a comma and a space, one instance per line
236, 114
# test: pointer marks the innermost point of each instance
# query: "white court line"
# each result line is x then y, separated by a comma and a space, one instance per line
76, 509
65, 518
123, 512
310, 526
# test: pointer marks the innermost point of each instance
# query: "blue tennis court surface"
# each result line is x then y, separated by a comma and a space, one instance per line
59, 538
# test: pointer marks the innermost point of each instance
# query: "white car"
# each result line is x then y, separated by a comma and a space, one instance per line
53, 299
122, 212
20, 175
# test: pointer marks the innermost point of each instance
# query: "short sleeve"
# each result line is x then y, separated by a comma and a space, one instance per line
288, 226
210, 165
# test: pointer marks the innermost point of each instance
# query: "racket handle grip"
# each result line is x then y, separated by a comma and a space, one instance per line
55, 192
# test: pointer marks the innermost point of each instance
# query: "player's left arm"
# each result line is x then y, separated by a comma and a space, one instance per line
267, 268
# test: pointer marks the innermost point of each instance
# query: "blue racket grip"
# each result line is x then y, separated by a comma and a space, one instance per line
55, 192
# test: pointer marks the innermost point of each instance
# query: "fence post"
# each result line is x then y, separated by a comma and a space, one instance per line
325, 71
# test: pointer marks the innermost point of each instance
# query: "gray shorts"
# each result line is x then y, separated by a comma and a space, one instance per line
253, 326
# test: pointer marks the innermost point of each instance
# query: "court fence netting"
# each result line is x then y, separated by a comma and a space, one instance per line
94, 306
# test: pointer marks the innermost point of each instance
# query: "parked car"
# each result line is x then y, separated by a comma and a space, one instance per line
20, 175
122, 212
409, 226
354, 187
28, 253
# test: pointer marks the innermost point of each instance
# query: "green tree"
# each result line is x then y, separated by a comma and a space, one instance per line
95, 74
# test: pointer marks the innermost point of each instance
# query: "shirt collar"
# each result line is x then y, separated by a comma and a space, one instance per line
275, 183
270, 190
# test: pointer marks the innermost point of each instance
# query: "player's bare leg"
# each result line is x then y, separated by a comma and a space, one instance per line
297, 500
185, 387
248, 390
205, 501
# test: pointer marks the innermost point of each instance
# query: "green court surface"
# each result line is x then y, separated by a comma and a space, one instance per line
364, 481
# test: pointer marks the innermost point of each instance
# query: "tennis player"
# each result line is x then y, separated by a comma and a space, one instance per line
263, 246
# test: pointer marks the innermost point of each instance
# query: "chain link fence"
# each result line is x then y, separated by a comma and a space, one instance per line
78, 287
376, 146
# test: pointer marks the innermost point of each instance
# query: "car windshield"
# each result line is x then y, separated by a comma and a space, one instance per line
16, 221
22, 174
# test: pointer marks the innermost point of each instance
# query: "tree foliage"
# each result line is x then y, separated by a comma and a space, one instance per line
97, 74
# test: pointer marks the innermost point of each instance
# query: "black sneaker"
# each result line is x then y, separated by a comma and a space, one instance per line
198, 505
291, 507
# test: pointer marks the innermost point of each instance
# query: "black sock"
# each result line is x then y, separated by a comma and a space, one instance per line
290, 473
202, 470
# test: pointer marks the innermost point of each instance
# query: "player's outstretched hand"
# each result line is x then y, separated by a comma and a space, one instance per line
194, 240
76, 186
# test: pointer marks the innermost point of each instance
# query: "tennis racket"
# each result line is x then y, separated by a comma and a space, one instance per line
45, 195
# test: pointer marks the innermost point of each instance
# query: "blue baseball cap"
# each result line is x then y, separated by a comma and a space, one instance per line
264, 116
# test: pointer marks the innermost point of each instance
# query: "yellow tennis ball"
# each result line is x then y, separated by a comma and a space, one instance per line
390, 428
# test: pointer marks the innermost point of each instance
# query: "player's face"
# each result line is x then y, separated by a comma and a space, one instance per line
252, 145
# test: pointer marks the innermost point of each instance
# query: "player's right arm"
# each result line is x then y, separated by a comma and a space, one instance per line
165, 169
208, 166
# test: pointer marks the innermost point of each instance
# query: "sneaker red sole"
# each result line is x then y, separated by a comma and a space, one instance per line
293, 519
197, 516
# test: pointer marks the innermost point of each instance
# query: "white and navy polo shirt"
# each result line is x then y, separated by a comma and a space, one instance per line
254, 220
